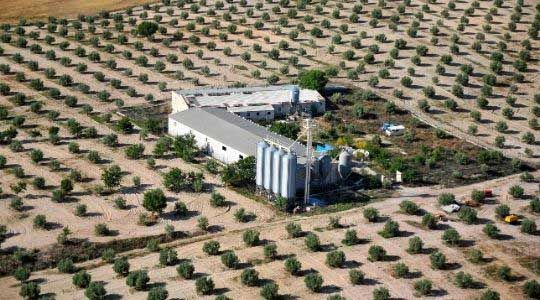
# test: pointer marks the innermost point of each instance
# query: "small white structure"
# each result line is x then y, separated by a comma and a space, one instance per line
394, 130
254, 103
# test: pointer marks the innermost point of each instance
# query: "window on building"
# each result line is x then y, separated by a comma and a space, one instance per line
268, 113
241, 156
223, 148
249, 114
257, 114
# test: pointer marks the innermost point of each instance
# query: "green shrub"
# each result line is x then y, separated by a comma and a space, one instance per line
66, 265
356, 276
446, 199
313, 282
467, 215
185, 270
376, 253
464, 280
351, 238
81, 279
438, 260
528, 226
502, 211
251, 237
101, 229
490, 295
211, 247
138, 280
381, 293
108, 255
168, 257
335, 259
292, 266
400, 270
371, 214
121, 266
516, 191
531, 288
451, 237
21, 274
535, 205
477, 195
293, 230
409, 207
390, 229
40, 221
158, 293
230, 260
429, 221
312, 242
491, 230
476, 256
217, 200
30, 290
152, 245
270, 251
204, 285
270, 291
249, 277
415, 245
423, 287
504, 273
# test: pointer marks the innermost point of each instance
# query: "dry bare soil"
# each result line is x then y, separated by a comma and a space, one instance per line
104, 65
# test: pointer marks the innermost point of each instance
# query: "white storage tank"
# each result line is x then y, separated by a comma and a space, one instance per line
259, 177
288, 177
267, 168
276, 171
345, 163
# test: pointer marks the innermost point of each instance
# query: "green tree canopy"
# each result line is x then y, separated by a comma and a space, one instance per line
147, 28
313, 79
154, 200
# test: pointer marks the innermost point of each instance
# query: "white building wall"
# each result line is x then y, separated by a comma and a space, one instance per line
178, 103
215, 149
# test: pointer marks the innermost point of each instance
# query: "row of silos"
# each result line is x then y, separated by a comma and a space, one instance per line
275, 170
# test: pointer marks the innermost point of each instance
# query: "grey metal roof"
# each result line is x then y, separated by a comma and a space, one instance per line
232, 130
229, 97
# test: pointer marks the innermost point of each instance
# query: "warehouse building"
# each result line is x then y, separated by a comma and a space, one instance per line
226, 136
254, 103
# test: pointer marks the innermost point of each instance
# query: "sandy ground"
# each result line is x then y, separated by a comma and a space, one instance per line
13, 10
226, 70
500, 252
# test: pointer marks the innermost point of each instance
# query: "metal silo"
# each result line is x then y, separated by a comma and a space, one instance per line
288, 177
267, 168
276, 171
315, 174
295, 95
345, 163
259, 178
325, 165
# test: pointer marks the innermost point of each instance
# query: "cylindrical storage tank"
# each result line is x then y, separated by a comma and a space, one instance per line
295, 95
314, 168
288, 177
345, 163
267, 168
325, 165
259, 177
276, 171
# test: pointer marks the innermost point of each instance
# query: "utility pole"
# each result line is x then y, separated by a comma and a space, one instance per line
308, 161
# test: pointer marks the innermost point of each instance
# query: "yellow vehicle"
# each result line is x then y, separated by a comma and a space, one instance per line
511, 219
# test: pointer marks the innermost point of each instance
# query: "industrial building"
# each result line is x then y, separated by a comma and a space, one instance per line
223, 129
254, 103
226, 136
